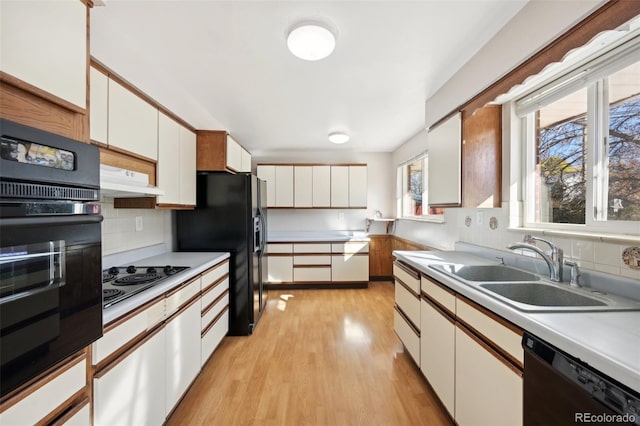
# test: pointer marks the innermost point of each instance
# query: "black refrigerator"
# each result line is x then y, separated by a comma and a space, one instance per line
231, 216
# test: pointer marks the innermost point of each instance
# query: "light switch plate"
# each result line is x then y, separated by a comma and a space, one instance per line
138, 223
480, 218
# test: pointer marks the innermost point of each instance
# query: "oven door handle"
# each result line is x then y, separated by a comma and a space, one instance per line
15, 222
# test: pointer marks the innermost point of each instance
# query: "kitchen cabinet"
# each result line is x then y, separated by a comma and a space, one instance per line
443, 174
406, 319
482, 157
280, 268
312, 263
176, 167
340, 186
268, 174
132, 390
99, 106
49, 396
303, 188
218, 151
133, 123
380, 257
214, 309
321, 186
44, 44
477, 364
358, 186
350, 261
283, 186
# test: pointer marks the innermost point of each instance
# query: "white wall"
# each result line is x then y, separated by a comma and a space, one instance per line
380, 196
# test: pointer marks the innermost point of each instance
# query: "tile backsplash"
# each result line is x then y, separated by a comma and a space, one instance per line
120, 233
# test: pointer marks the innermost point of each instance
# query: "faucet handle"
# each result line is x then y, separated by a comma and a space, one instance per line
575, 273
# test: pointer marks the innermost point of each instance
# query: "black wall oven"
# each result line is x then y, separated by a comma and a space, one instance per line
50, 251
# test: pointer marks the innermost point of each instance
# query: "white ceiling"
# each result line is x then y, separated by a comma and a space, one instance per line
225, 65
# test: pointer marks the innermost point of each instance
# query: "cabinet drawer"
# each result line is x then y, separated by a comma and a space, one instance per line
279, 248
210, 314
179, 297
214, 292
409, 337
350, 247
495, 331
127, 330
408, 303
313, 274
213, 336
413, 281
78, 416
311, 248
214, 274
70, 379
439, 294
312, 260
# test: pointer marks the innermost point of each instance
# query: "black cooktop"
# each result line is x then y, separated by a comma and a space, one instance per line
121, 282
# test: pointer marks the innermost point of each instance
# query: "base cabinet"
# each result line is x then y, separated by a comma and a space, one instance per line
132, 392
280, 269
488, 390
350, 267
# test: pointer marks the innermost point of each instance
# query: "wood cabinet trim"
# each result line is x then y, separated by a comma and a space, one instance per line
22, 85
508, 362
214, 321
312, 266
166, 206
409, 289
216, 266
280, 254
437, 283
119, 355
186, 305
75, 409
215, 284
450, 316
407, 320
181, 286
126, 317
41, 380
406, 268
491, 315
66, 410
215, 301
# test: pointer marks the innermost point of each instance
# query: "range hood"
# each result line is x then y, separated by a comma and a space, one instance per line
122, 183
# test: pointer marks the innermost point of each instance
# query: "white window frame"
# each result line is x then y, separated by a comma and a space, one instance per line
591, 74
401, 191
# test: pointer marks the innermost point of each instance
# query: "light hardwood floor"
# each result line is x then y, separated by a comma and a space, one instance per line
317, 357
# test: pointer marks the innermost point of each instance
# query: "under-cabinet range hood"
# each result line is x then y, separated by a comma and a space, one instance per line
122, 183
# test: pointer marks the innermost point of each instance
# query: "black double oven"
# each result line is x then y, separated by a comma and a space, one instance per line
50, 251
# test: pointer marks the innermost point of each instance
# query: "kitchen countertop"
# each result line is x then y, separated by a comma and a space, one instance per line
316, 236
607, 341
197, 262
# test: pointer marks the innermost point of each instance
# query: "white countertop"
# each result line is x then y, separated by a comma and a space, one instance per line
314, 236
607, 341
197, 262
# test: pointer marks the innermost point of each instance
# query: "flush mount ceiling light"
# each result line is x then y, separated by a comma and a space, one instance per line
311, 41
338, 137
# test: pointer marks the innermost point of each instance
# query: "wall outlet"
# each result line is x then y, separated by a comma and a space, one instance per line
480, 218
138, 223
341, 217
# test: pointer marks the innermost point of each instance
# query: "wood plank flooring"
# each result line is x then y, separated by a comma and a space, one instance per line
317, 357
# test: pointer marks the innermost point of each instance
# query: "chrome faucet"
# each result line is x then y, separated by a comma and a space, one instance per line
575, 273
554, 261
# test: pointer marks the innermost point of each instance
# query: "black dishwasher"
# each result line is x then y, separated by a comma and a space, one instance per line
562, 390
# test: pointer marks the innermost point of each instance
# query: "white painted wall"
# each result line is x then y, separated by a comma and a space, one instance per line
380, 196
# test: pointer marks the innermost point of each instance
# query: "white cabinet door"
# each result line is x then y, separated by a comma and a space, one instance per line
476, 403
358, 186
168, 160
339, 186
133, 391
182, 352
246, 161
268, 174
133, 123
284, 186
280, 269
321, 186
445, 149
349, 267
437, 353
302, 182
44, 43
187, 167
234, 155
99, 106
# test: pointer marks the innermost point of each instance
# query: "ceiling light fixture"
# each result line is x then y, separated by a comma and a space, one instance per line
338, 137
311, 41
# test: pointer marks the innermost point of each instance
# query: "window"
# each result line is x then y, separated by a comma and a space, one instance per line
412, 200
583, 145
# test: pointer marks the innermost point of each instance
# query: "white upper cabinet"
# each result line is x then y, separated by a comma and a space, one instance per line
133, 123
340, 186
284, 186
44, 43
268, 174
234, 155
303, 184
245, 163
187, 167
168, 160
321, 186
99, 106
358, 186
444, 146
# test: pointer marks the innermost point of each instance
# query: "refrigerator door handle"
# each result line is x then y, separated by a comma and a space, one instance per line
257, 234
263, 234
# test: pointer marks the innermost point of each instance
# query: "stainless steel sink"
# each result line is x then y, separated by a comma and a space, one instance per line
551, 297
486, 273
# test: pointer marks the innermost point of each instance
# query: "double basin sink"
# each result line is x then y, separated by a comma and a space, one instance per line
528, 292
